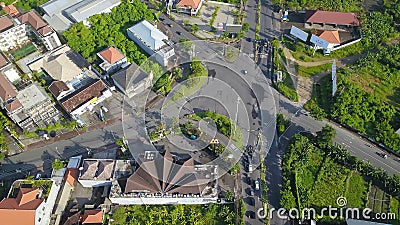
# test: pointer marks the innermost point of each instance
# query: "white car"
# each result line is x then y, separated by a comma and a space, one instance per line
250, 168
104, 108
257, 185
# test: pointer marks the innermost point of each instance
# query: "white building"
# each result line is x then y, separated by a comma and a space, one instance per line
12, 33
40, 28
152, 41
112, 59
61, 14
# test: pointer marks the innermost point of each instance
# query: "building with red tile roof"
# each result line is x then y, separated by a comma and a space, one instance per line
7, 91
79, 101
23, 209
332, 36
70, 176
59, 89
332, 18
191, 7
11, 10
112, 59
44, 32
5, 23
12, 34
92, 217
33, 19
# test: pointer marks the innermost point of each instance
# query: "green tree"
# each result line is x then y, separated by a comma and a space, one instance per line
229, 195
195, 28
2, 155
57, 164
325, 136
245, 27
119, 216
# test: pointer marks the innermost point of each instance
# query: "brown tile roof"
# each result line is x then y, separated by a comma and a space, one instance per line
11, 10
14, 105
332, 36
92, 217
163, 175
84, 95
74, 219
6, 89
33, 19
45, 30
5, 23
189, 3
329, 17
3, 60
70, 176
111, 54
20, 210
57, 87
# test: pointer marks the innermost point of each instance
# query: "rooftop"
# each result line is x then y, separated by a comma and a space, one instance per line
111, 55
5, 23
33, 19
57, 87
168, 175
94, 169
80, 97
63, 64
7, 91
61, 14
149, 35
87, 8
130, 75
11, 10
14, 105
32, 95
92, 216
21, 210
3, 60
329, 17
331, 36
189, 3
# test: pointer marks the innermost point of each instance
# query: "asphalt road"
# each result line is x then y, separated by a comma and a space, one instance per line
41, 158
247, 45
356, 145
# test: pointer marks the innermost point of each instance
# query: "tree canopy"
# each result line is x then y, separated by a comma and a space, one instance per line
110, 29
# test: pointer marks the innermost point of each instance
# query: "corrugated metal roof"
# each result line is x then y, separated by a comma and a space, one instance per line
149, 35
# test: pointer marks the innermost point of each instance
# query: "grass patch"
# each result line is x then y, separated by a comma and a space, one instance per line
394, 208
186, 90
332, 175
287, 88
356, 190
24, 51
312, 70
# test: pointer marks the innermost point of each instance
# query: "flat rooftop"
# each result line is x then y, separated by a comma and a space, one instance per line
31, 96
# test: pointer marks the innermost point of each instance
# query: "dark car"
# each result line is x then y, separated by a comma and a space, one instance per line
179, 33
251, 201
251, 214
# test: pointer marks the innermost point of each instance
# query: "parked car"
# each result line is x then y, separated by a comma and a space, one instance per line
257, 185
250, 168
104, 108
